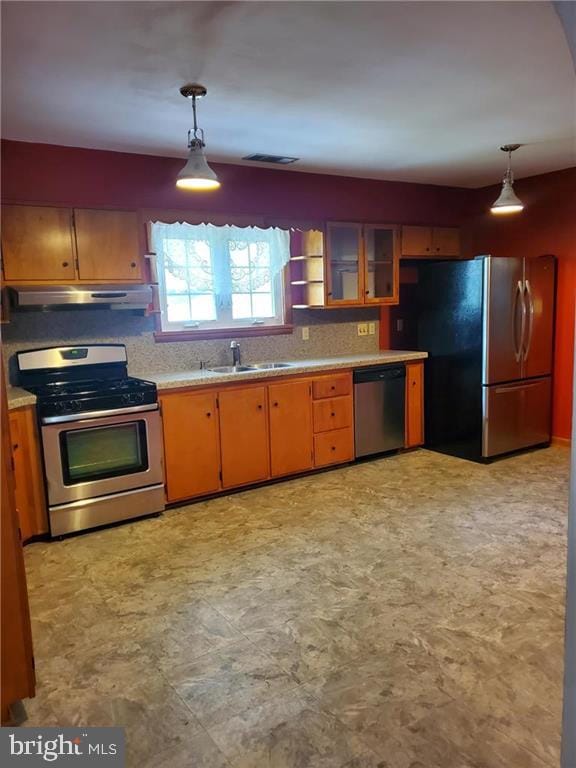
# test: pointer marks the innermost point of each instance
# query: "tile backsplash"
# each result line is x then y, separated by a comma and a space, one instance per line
332, 332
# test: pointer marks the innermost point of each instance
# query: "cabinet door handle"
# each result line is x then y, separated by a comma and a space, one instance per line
275, 405
332, 414
367, 291
332, 387
260, 407
132, 264
209, 414
333, 448
64, 263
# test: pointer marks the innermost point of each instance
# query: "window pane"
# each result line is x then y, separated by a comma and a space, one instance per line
178, 309
200, 281
199, 254
176, 284
262, 305
241, 306
259, 254
203, 307
260, 280
175, 252
240, 279
238, 253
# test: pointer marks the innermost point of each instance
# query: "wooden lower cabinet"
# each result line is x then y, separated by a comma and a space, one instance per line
191, 444
333, 409
333, 447
244, 436
414, 404
336, 413
223, 438
290, 408
28, 475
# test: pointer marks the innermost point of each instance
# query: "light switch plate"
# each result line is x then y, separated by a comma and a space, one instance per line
305, 333
371, 328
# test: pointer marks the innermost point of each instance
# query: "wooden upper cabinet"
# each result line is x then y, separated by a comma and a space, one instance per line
381, 253
414, 404
291, 440
430, 242
37, 243
446, 241
362, 264
191, 444
343, 264
244, 436
108, 244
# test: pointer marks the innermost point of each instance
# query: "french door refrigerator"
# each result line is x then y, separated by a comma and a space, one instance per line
488, 326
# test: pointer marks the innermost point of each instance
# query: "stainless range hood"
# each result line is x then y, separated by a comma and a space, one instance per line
52, 297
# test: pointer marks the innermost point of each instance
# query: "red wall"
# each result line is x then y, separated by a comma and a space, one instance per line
68, 176
48, 174
546, 225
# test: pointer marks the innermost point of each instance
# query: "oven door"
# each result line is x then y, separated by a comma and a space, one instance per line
96, 456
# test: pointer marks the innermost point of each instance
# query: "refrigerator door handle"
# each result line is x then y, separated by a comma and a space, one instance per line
518, 344
528, 293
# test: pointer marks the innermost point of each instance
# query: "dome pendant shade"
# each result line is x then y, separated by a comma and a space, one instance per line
197, 174
508, 201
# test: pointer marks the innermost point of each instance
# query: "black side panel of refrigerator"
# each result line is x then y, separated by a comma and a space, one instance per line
450, 330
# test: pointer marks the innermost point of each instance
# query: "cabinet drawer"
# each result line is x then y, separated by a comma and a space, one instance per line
335, 413
333, 447
332, 387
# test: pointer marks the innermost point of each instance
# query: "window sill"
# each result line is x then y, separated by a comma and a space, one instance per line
223, 333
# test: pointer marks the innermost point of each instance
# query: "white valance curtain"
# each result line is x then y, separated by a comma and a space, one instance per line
270, 247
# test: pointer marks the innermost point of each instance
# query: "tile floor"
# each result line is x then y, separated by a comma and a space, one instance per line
402, 613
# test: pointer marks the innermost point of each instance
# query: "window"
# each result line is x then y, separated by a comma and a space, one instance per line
220, 277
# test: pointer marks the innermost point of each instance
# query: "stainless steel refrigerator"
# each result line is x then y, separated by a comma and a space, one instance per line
488, 327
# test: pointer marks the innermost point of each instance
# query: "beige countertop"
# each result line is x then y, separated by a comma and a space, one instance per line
18, 397
197, 378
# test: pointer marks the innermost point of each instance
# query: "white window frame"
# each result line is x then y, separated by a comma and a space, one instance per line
223, 303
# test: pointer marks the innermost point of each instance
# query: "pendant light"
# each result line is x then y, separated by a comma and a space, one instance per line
196, 174
508, 201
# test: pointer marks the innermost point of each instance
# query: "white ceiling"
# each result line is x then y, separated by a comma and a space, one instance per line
413, 91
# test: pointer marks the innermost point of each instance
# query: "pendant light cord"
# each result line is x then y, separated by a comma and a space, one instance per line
196, 135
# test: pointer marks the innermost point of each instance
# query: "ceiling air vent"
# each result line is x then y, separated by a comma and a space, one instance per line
278, 159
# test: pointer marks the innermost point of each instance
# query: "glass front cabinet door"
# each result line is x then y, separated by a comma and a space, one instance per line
381, 264
362, 264
343, 267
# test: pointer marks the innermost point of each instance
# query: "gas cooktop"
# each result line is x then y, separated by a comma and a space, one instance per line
77, 380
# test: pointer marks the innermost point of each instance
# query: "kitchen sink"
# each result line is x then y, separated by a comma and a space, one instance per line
244, 368
230, 368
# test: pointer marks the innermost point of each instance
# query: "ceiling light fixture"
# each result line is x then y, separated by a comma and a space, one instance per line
508, 201
196, 174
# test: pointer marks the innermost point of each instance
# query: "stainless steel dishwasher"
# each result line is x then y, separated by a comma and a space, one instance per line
379, 409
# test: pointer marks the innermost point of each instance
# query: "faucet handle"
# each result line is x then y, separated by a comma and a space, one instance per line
234, 345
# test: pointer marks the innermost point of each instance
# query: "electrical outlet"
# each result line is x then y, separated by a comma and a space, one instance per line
305, 333
371, 328
362, 329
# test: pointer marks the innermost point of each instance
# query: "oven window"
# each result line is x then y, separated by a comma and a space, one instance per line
100, 452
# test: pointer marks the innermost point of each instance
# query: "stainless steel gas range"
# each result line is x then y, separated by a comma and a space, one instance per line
101, 435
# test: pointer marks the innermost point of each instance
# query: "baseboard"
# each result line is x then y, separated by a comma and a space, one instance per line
564, 441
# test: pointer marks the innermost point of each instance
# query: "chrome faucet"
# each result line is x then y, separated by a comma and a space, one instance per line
235, 347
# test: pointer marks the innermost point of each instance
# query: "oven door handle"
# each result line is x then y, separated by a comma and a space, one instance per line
84, 416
